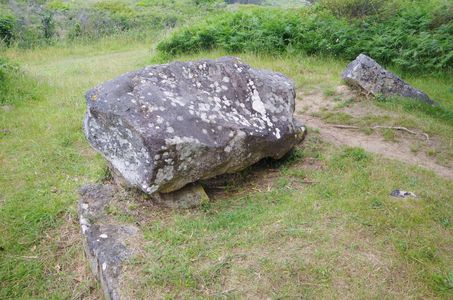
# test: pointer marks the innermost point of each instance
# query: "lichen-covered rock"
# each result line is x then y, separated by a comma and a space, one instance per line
367, 74
108, 245
168, 125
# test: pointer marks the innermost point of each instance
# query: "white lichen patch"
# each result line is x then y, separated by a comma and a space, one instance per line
186, 121
277, 133
164, 174
257, 104
84, 224
159, 119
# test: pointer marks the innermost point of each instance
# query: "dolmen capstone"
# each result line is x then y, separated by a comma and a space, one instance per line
366, 74
166, 126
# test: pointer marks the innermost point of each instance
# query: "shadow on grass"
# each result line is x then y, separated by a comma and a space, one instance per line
266, 170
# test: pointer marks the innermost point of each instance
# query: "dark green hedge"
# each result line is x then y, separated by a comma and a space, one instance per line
410, 38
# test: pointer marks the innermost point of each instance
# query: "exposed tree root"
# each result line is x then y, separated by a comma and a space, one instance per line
340, 126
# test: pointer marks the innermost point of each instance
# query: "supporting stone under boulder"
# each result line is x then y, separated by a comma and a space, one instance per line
190, 196
368, 75
169, 125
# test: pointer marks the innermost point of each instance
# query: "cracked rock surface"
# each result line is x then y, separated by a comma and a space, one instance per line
367, 74
165, 126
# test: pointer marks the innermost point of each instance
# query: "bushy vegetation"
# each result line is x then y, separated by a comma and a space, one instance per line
31, 24
411, 37
7, 22
355, 8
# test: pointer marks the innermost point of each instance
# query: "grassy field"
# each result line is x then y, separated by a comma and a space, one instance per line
45, 158
319, 225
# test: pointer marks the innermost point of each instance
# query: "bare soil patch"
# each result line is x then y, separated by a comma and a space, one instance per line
315, 101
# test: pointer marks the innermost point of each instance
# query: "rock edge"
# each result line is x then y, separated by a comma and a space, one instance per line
367, 74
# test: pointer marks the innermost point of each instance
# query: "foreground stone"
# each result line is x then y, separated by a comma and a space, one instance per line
165, 126
368, 75
108, 244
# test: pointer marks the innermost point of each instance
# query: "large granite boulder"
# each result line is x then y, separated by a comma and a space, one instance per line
368, 75
165, 126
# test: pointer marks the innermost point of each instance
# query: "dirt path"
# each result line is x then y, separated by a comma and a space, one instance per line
374, 143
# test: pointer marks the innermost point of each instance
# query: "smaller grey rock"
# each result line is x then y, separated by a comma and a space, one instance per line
108, 245
402, 194
190, 196
367, 74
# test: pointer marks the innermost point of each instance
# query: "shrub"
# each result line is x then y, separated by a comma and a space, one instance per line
119, 14
406, 39
7, 28
75, 32
41, 22
442, 15
354, 8
48, 25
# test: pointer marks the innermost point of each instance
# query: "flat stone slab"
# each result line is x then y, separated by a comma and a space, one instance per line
111, 240
108, 244
368, 75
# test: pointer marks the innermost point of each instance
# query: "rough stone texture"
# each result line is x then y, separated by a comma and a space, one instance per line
190, 196
165, 126
368, 75
108, 245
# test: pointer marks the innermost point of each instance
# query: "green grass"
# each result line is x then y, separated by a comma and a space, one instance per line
341, 236
302, 241
45, 159
16, 86
307, 72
